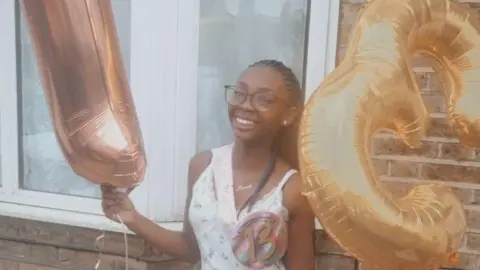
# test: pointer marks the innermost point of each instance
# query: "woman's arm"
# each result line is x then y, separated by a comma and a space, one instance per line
180, 245
301, 228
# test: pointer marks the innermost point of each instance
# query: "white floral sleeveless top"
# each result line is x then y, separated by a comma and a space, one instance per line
212, 212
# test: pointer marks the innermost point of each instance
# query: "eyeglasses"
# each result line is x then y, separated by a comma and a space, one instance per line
261, 101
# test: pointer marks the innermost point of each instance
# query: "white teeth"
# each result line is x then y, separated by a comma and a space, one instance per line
244, 121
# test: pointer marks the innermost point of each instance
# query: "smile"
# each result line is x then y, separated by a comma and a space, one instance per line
243, 121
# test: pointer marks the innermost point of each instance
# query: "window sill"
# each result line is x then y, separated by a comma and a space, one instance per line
78, 219
70, 218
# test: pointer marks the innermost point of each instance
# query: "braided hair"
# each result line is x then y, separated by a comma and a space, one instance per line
285, 145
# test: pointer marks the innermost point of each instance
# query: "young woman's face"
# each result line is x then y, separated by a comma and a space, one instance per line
259, 104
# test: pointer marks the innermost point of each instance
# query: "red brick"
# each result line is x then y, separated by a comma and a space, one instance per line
391, 146
473, 219
81, 259
434, 103
418, 60
473, 241
348, 16
434, 84
475, 197
457, 152
58, 235
14, 250
464, 195
8, 265
404, 169
381, 166
325, 245
477, 154
335, 262
453, 173
25, 266
422, 78
118, 263
439, 127
345, 34
46, 255
172, 265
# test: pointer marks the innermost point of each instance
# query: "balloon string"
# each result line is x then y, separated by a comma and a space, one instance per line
99, 248
99, 245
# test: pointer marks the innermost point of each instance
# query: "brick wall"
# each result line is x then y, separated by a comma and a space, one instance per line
29, 245
32, 245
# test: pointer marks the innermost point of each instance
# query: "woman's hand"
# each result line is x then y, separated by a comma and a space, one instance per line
117, 206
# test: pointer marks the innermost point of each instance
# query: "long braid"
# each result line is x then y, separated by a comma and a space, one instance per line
285, 144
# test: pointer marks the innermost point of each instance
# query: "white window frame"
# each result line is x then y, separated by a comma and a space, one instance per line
163, 77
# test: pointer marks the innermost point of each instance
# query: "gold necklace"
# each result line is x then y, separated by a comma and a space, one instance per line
242, 187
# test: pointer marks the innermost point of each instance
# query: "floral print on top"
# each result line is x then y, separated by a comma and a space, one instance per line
212, 212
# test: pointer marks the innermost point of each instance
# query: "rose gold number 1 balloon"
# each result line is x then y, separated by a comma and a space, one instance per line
87, 90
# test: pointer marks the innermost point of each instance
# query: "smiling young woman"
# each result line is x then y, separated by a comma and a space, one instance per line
259, 167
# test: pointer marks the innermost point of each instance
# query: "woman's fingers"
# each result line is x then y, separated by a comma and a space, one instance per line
114, 203
115, 213
108, 202
115, 196
112, 216
111, 211
107, 189
108, 192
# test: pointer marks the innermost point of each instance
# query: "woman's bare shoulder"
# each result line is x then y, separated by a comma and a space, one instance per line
293, 197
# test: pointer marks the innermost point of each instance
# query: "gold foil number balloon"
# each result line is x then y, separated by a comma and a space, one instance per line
87, 90
374, 89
